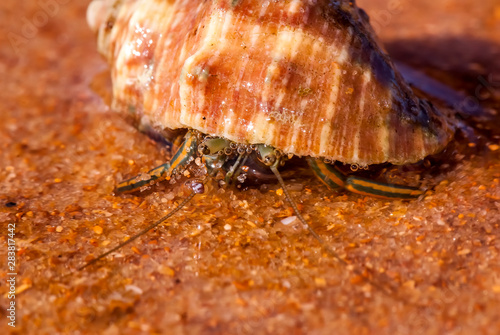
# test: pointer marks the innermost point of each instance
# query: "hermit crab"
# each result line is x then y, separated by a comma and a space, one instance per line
238, 87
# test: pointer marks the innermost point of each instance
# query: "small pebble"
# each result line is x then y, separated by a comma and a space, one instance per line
463, 252
98, 230
320, 282
59, 229
22, 288
168, 271
494, 147
133, 288
288, 220
227, 227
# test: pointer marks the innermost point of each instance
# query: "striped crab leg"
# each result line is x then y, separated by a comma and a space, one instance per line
334, 178
184, 154
188, 150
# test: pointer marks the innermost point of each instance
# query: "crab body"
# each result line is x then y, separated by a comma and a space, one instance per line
305, 77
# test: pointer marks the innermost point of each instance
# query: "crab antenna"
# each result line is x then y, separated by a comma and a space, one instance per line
325, 246
301, 218
144, 231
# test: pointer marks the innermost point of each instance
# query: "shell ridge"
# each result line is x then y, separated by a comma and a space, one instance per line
190, 71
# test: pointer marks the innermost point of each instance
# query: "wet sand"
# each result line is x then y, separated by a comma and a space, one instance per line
226, 264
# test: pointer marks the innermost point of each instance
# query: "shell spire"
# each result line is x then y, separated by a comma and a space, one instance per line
304, 76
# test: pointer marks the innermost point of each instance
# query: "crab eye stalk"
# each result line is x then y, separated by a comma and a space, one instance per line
266, 154
203, 150
269, 160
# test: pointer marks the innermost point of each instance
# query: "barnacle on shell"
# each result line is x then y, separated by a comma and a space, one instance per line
305, 76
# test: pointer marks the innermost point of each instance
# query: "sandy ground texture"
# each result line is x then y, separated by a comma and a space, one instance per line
226, 263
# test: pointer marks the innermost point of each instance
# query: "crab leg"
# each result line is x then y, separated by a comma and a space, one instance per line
334, 178
235, 168
327, 174
381, 190
181, 158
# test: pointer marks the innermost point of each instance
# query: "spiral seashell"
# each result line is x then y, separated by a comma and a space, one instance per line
307, 77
